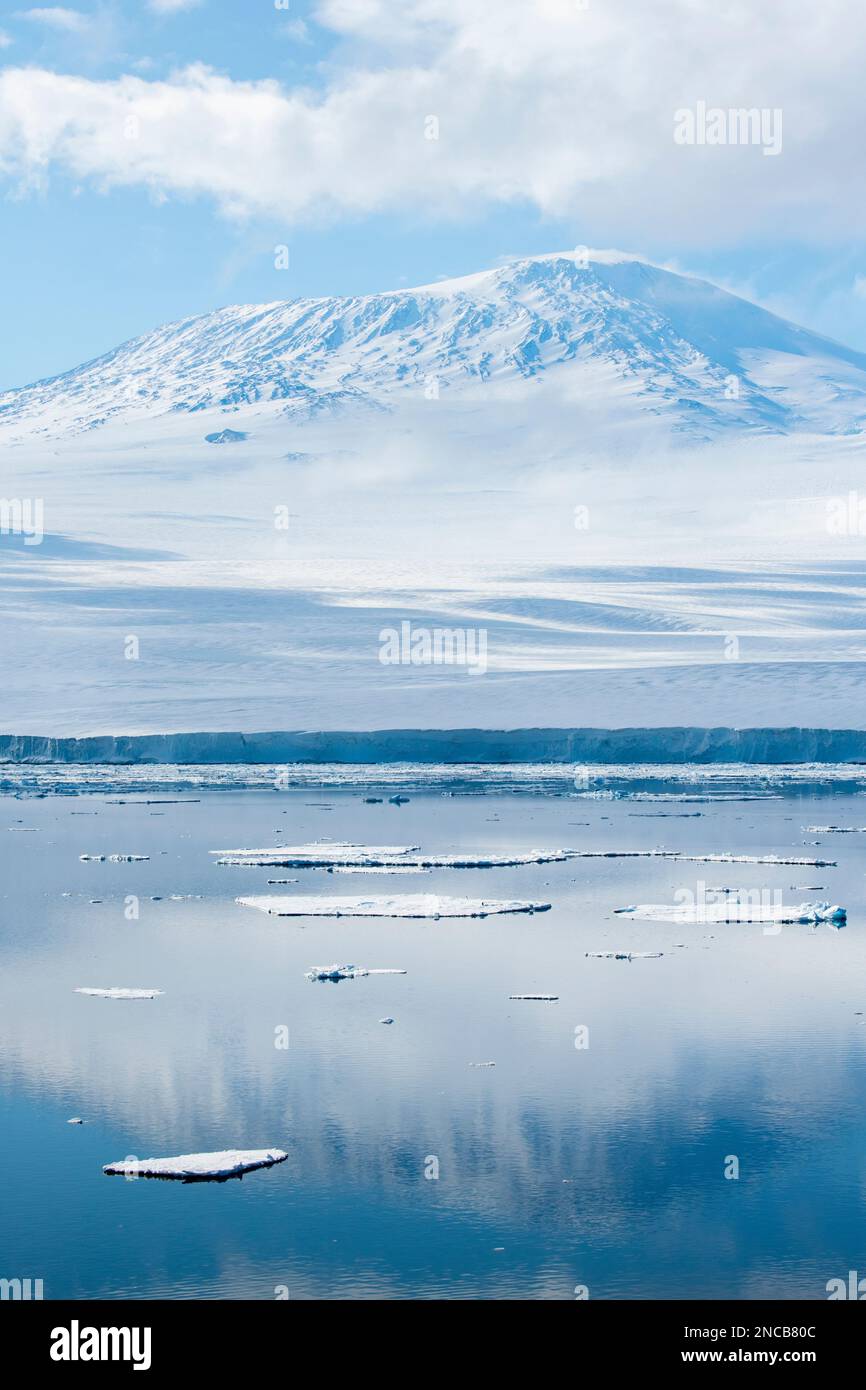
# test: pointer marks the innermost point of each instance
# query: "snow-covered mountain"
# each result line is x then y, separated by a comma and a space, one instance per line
647, 339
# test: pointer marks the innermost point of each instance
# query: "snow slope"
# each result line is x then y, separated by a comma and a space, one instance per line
657, 342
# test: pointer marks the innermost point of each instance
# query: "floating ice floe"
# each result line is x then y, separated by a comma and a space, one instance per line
227, 1163
346, 972
547, 998
432, 905
624, 955
482, 1064
351, 856
380, 857
698, 858
386, 1020
113, 858
733, 911
76, 1120
379, 869
116, 993
835, 829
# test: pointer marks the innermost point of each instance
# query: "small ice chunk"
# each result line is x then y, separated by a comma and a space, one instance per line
428, 905
116, 993
482, 1064
550, 998
386, 1020
76, 1120
226, 1163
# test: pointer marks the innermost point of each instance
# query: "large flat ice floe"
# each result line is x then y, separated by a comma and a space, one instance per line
399, 905
116, 993
227, 1163
404, 858
400, 858
734, 911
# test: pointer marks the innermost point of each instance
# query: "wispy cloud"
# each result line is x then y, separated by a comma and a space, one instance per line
55, 17
172, 6
5, 40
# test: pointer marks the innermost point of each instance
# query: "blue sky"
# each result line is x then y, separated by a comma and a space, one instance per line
554, 132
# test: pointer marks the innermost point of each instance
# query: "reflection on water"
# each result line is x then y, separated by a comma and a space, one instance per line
593, 1153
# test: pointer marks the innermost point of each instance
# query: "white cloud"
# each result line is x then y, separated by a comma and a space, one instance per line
55, 17
539, 103
172, 6
5, 40
295, 29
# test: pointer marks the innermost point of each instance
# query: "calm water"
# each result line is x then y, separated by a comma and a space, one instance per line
557, 1167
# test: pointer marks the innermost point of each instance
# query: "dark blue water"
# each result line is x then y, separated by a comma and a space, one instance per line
557, 1168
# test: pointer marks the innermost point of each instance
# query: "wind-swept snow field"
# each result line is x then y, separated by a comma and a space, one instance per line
642, 490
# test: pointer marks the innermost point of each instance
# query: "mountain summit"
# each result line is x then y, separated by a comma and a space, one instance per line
650, 339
